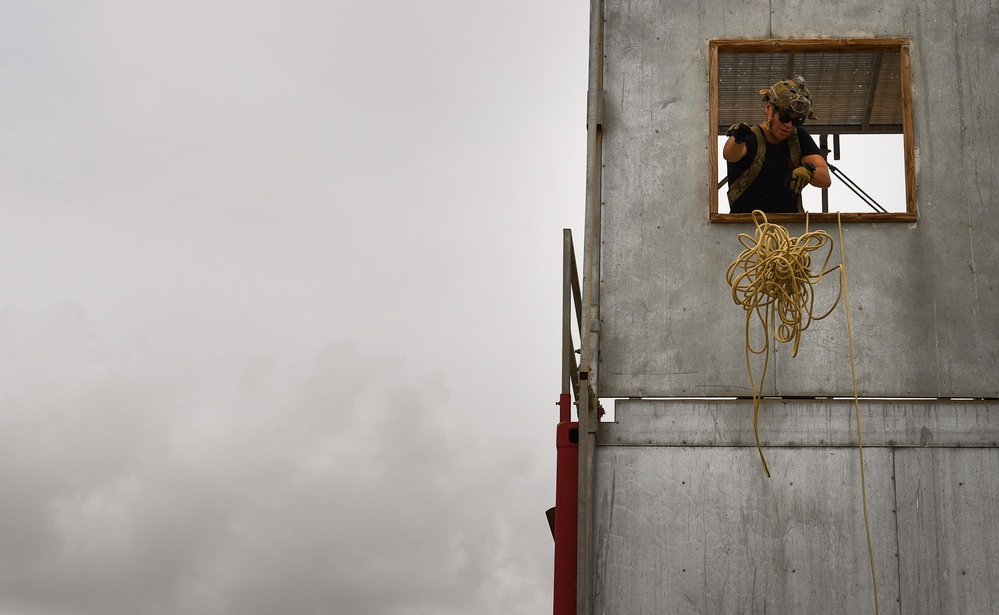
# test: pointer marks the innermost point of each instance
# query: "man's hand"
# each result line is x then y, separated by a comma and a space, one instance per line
741, 133
800, 176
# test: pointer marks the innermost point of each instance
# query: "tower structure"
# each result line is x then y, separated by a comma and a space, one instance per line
675, 513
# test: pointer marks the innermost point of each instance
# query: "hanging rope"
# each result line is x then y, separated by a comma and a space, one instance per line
856, 405
772, 279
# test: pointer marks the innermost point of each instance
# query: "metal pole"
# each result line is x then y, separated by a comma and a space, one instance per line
588, 407
566, 522
565, 527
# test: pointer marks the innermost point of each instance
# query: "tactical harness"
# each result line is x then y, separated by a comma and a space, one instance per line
739, 186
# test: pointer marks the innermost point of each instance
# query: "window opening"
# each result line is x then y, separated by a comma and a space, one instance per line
862, 107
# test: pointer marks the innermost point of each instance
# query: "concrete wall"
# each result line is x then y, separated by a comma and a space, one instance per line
924, 296
686, 522
677, 514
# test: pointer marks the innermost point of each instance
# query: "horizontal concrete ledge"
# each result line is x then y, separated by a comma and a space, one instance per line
802, 422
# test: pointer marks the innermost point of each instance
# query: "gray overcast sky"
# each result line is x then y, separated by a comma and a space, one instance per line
279, 328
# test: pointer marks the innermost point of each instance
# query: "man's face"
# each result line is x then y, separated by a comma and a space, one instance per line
779, 129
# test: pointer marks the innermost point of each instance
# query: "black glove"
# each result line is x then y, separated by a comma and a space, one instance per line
801, 175
741, 132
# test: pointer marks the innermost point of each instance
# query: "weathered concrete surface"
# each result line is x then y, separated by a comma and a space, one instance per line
702, 530
924, 296
947, 515
687, 522
803, 422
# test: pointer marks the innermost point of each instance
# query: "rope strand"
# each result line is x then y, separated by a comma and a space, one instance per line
856, 404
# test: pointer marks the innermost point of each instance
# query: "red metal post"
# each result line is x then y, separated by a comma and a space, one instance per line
566, 496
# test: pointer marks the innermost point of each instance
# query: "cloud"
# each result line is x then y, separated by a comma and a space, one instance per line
205, 198
135, 484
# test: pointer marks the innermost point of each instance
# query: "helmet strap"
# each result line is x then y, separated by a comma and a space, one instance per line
768, 125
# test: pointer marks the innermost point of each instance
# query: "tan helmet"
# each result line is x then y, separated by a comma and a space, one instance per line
791, 95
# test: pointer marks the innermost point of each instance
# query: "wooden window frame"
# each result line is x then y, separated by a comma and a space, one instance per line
886, 45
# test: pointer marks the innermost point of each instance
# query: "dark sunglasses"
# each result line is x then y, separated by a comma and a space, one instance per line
785, 116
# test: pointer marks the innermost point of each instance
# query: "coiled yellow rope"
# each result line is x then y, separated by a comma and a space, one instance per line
773, 279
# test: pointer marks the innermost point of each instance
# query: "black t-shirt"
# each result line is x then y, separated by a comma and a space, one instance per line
770, 191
